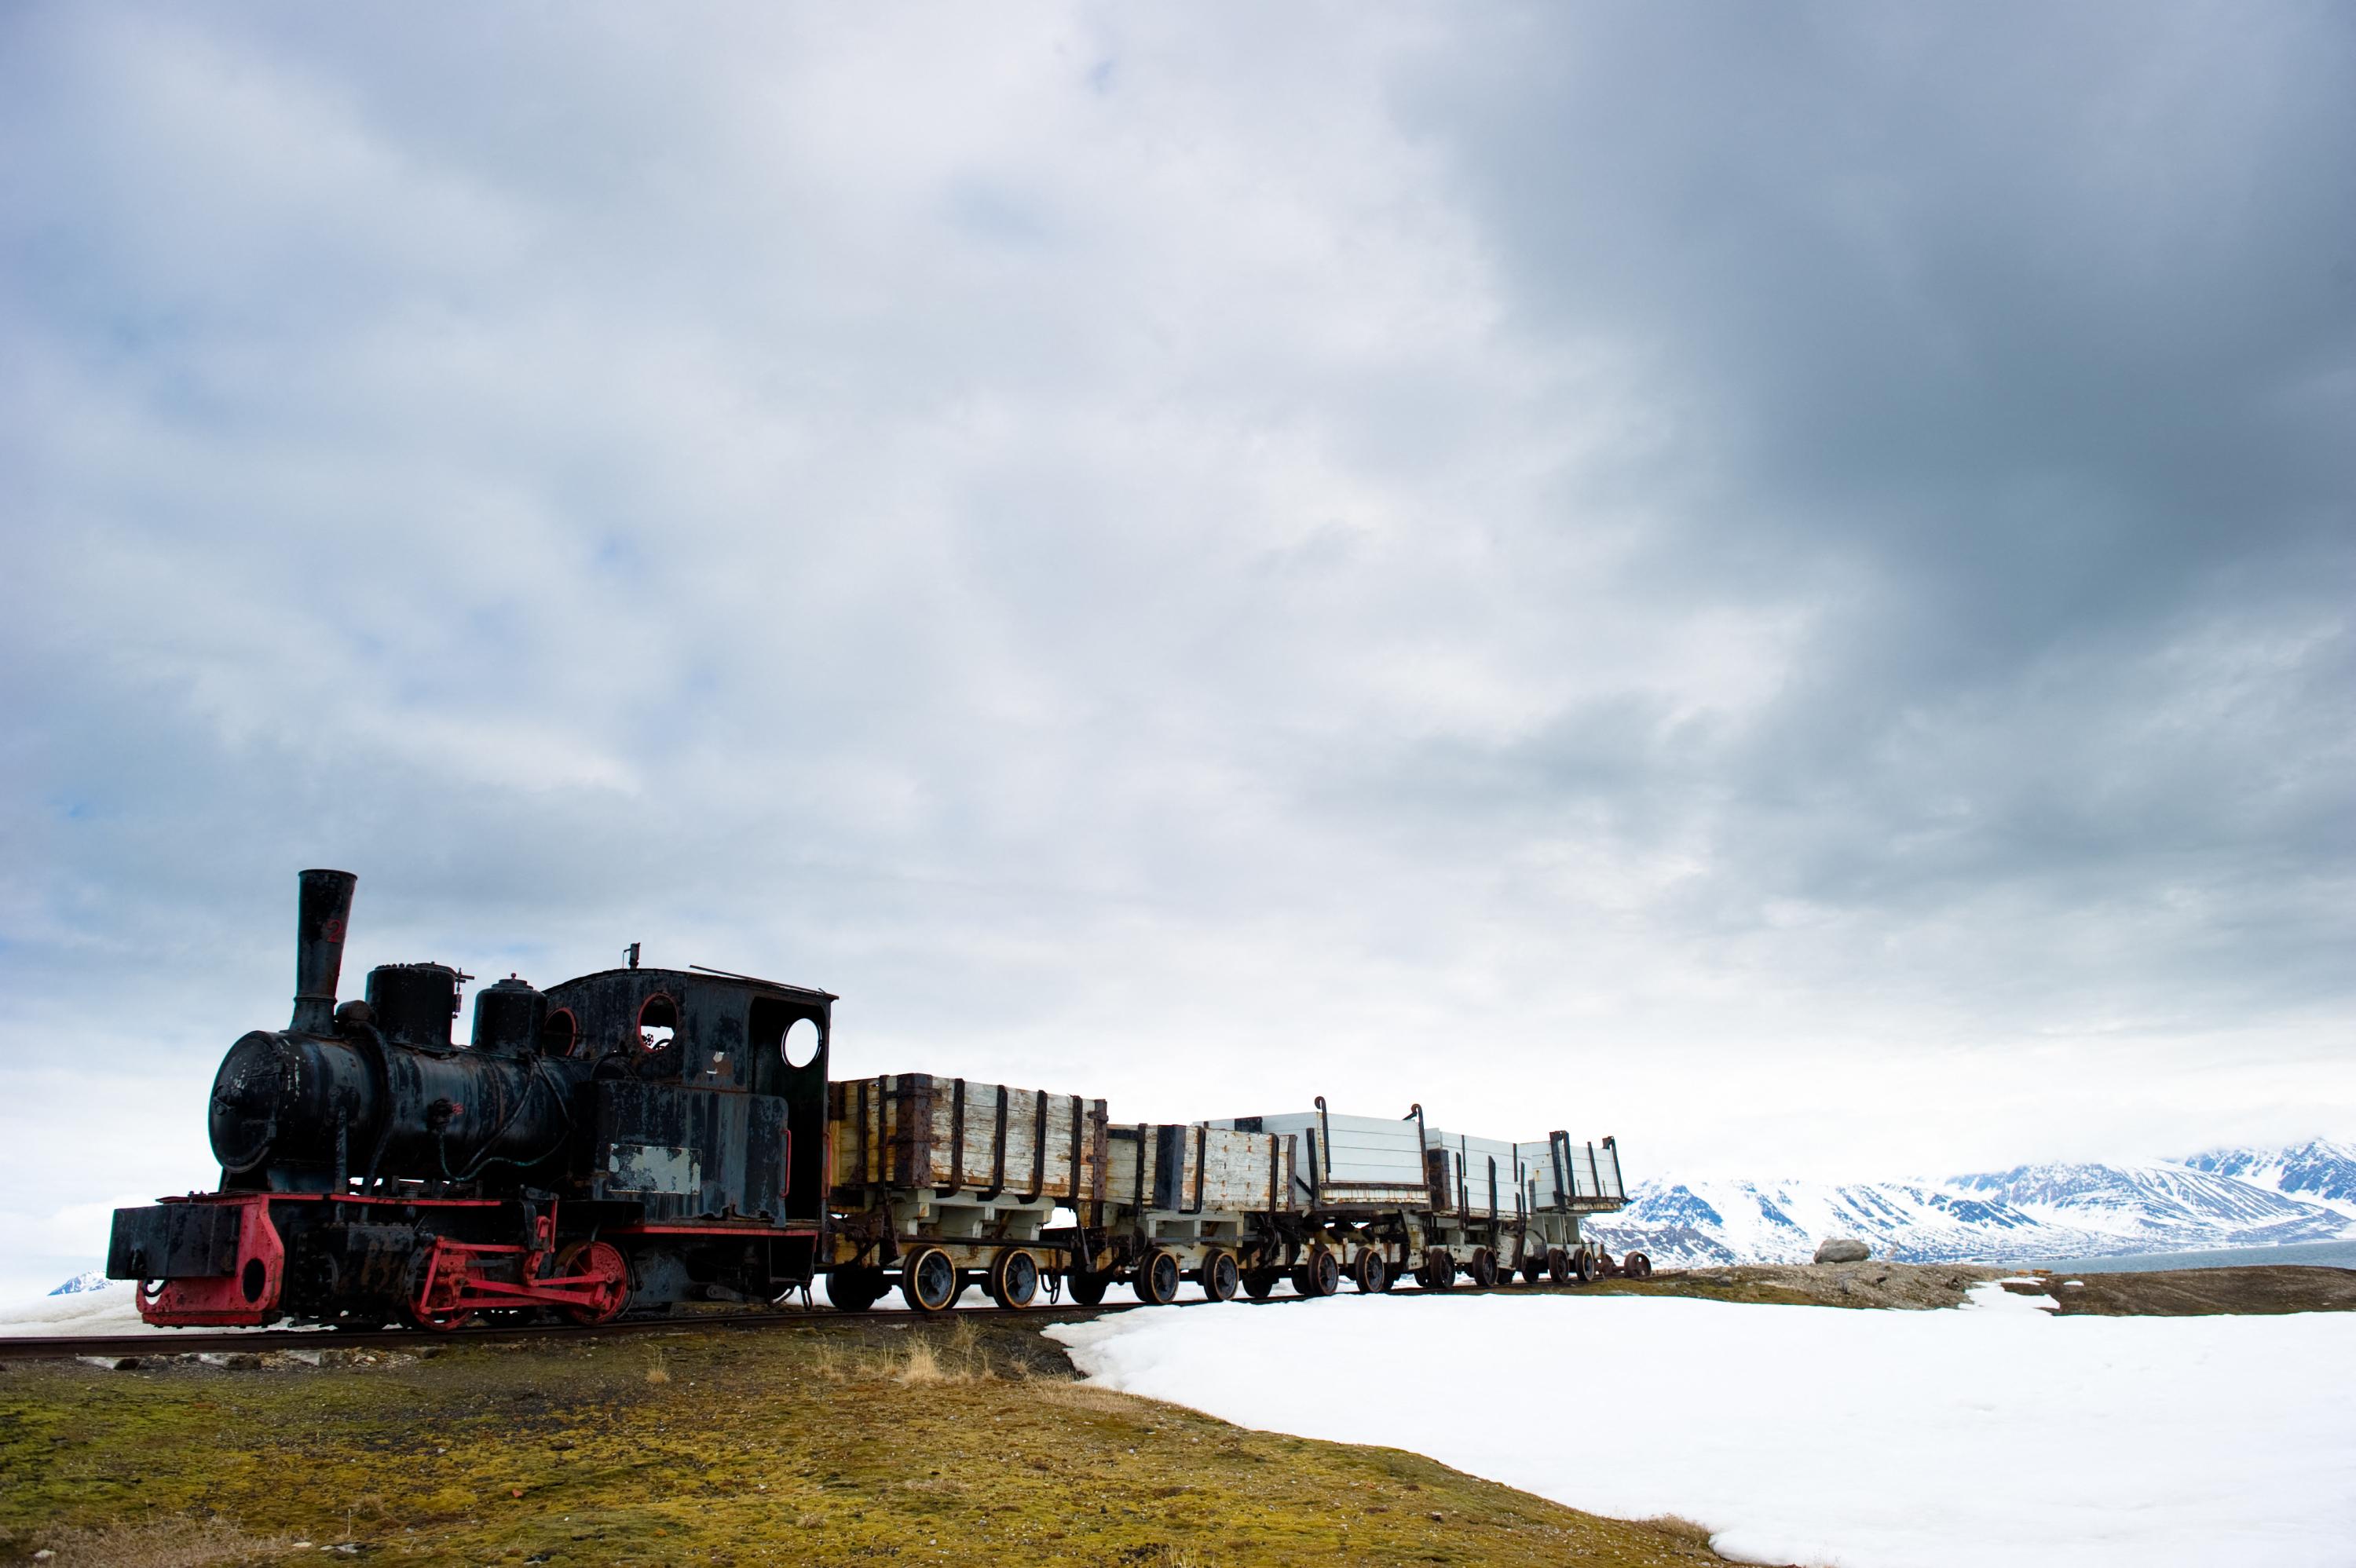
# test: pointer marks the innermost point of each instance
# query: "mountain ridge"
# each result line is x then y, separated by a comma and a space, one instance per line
2220, 1199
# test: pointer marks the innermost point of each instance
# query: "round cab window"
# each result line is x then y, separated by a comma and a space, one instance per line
557, 1036
800, 1044
657, 1023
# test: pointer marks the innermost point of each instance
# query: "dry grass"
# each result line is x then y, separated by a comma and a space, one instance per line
1168, 1556
954, 1356
923, 1366
1680, 1528
1084, 1396
162, 1543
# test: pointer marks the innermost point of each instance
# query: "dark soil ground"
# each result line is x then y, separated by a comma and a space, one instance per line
2174, 1293
888, 1440
1904, 1285
2200, 1292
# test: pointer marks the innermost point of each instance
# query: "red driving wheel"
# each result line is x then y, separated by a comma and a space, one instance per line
606, 1280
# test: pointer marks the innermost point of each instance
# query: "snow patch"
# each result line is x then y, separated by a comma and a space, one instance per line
83, 1312
1991, 1296
1856, 1439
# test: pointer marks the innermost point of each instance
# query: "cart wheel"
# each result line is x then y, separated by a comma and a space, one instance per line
1156, 1280
1439, 1270
1087, 1290
928, 1281
1637, 1265
1319, 1273
1259, 1284
1534, 1269
601, 1262
1015, 1279
1588, 1269
1371, 1273
1482, 1269
1559, 1266
855, 1287
1221, 1277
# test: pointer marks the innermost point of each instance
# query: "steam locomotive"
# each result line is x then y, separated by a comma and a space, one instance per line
642, 1137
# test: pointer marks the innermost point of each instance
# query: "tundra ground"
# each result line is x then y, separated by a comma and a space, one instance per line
965, 1442
2172, 1292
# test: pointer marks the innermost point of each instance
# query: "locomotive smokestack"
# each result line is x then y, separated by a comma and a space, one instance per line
327, 904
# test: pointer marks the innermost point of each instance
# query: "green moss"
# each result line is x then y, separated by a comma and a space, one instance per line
839, 1443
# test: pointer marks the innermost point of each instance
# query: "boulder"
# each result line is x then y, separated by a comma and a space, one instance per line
1843, 1249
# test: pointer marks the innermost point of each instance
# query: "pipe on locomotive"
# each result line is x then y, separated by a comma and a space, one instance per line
322, 912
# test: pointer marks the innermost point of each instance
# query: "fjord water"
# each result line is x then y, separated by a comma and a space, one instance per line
2311, 1254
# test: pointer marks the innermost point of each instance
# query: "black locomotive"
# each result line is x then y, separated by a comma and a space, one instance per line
622, 1141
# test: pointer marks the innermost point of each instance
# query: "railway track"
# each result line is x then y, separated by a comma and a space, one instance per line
255, 1341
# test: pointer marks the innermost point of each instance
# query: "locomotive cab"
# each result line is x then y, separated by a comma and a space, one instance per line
708, 1095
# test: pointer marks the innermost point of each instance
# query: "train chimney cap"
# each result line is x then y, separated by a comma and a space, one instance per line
322, 909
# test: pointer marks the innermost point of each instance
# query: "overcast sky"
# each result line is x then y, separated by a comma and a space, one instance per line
1772, 581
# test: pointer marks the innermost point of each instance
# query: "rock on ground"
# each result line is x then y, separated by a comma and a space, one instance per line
1914, 1286
1843, 1249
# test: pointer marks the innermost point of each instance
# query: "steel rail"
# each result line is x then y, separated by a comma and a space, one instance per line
256, 1341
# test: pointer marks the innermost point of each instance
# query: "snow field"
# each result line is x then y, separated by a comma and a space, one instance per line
113, 1308
1815, 1436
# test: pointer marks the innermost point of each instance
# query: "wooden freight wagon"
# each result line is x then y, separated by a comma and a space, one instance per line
1358, 1203
1194, 1201
942, 1182
1501, 1209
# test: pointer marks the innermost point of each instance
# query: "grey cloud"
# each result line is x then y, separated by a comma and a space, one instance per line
2013, 352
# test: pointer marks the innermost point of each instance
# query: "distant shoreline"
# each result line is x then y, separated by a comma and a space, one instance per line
2307, 1255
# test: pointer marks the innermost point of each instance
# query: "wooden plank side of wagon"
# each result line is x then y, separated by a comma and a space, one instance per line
913, 1131
1231, 1170
1195, 1167
1540, 1176
1608, 1184
1356, 1150
1127, 1147
989, 1139
857, 1109
1078, 1150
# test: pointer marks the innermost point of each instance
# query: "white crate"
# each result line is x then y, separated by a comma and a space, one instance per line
1364, 1150
1201, 1168
1593, 1170
1484, 1176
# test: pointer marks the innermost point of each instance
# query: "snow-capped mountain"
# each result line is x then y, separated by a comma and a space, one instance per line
2022, 1215
89, 1279
2320, 1169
